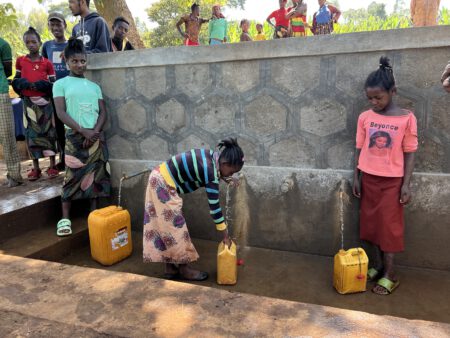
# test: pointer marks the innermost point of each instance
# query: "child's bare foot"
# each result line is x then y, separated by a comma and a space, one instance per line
188, 273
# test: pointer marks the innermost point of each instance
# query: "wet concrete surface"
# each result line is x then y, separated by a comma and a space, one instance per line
28, 193
423, 294
45, 299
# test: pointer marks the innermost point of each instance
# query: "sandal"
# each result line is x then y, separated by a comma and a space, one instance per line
34, 174
64, 227
372, 274
388, 285
52, 172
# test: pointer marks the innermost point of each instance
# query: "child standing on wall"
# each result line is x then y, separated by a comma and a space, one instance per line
260, 36
33, 82
79, 104
297, 15
245, 25
385, 173
166, 236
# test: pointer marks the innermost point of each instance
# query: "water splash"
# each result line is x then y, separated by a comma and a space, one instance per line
238, 224
343, 200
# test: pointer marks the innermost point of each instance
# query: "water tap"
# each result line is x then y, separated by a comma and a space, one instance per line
288, 184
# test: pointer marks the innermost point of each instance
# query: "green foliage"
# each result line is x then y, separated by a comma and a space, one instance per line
377, 9
8, 16
61, 7
166, 14
444, 16
373, 23
13, 32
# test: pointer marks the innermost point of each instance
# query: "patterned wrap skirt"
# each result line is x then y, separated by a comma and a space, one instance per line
40, 132
166, 237
381, 215
87, 170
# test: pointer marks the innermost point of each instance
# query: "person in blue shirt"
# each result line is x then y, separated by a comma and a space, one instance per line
54, 51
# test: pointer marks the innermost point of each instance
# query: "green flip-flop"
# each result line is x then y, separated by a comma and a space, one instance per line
387, 284
372, 274
64, 228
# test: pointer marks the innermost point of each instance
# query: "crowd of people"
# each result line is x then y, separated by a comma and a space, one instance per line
286, 22
66, 113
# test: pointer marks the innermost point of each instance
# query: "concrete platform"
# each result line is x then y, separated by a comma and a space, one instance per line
423, 294
56, 300
29, 193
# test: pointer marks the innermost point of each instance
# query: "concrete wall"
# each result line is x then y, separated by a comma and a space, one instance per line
293, 105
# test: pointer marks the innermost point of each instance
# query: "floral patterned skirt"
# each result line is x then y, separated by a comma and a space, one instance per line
40, 132
166, 237
87, 169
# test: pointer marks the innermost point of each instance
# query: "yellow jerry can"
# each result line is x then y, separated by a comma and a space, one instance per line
110, 234
350, 271
226, 264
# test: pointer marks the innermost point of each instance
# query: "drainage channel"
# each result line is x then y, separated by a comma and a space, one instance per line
299, 277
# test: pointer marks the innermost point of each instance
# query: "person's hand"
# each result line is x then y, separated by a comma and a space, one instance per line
446, 73
90, 135
33, 86
356, 188
405, 195
446, 84
87, 144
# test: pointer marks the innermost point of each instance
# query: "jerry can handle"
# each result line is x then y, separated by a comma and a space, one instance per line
127, 177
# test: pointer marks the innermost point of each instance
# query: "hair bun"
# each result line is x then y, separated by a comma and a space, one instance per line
385, 63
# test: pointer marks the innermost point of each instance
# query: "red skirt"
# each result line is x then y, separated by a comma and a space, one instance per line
381, 215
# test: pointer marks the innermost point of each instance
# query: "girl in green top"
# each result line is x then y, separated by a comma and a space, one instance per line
80, 106
217, 27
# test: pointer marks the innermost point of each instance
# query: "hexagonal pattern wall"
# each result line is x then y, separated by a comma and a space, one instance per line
292, 112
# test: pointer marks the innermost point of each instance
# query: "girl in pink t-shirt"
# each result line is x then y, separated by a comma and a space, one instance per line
386, 140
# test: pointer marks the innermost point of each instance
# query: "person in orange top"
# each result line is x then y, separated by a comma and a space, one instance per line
424, 12
386, 140
193, 23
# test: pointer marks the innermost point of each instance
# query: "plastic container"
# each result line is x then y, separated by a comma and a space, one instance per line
350, 271
226, 264
110, 235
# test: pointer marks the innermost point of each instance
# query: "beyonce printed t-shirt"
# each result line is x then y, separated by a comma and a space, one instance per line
383, 140
81, 96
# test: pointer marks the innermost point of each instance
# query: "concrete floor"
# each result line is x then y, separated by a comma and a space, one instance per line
423, 294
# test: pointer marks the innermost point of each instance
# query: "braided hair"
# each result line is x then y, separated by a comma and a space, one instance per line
32, 31
383, 77
231, 152
74, 46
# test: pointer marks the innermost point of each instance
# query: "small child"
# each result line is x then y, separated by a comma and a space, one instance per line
386, 140
54, 50
33, 82
166, 235
260, 36
245, 24
79, 104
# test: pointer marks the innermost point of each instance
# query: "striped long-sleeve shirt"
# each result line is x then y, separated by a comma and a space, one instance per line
194, 169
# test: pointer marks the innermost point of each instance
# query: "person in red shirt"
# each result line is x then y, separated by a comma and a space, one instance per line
281, 22
33, 82
386, 140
